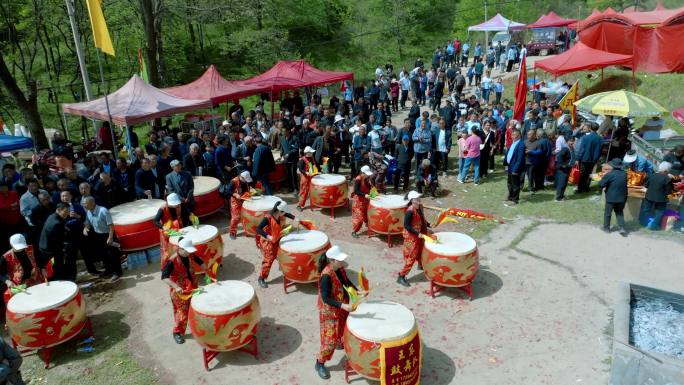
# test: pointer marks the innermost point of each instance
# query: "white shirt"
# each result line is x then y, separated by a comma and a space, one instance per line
99, 219
486, 82
375, 139
379, 72
560, 143
441, 141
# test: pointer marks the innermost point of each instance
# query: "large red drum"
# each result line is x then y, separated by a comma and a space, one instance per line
279, 174
373, 323
133, 224
206, 239
207, 197
254, 209
46, 315
386, 214
299, 252
453, 261
224, 316
329, 191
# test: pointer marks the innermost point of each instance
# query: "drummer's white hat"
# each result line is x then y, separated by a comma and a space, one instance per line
18, 242
309, 150
173, 200
245, 175
186, 244
336, 254
366, 170
630, 157
413, 195
282, 206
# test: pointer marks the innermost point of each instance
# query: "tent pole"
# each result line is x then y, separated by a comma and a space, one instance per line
634, 84
128, 143
109, 114
66, 127
601, 74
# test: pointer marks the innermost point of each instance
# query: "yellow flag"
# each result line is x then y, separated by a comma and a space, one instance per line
99, 26
568, 101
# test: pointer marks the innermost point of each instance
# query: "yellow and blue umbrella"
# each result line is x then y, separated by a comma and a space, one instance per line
620, 103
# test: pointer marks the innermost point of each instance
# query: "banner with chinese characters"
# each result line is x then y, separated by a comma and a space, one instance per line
400, 361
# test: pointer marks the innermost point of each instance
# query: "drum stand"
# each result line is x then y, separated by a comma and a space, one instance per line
287, 283
435, 288
389, 237
46, 353
251, 348
348, 371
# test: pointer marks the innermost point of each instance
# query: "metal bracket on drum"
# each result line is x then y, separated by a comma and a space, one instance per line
435, 289
348, 370
251, 348
45, 354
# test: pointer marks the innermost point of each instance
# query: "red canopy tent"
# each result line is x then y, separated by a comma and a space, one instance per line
135, 102
551, 20
287, 75
212, 86
581, 58
679, 115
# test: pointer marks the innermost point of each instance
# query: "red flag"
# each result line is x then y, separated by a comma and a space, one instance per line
521, 91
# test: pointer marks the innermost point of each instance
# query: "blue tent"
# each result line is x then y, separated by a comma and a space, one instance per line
13, 143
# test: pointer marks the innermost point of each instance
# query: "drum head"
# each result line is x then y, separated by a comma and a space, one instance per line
136, 212
379, 321
205, 185
303, 241
200, 235
452, 244
223, 297
328, 180
389, 202
42, 297
262, 203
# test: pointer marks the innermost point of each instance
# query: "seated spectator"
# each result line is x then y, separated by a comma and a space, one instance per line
426, 178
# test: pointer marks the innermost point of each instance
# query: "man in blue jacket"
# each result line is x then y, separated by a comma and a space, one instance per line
263, 164
588, 153
515, 160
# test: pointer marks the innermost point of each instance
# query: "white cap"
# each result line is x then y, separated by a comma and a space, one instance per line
336, 254
629, 158
413, 195
664, 167
282, 206
366, 170
18, 242
309, 150
226, 123
173, 200
186, 244
245, 175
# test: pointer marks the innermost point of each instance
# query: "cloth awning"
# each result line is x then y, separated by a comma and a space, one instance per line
678, 114
551, 20
13, 143
286, 75
135, 102
211, 85
497, 23
581, 58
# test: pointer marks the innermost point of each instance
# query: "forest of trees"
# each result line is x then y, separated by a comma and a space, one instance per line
180, 38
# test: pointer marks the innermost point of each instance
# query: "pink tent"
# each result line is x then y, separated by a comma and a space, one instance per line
135, 102
211, 85
551, 20
581, 58
286, 75
679, 115
497, 23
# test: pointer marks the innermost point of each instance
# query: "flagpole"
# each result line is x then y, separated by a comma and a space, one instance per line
109, 114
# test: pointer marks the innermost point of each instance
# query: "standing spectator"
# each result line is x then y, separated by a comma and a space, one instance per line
394, 93
100, 228
465, 48
442, 146
515, 160
422, 142
486, 84
53, 244
460, 82
30, 200
223, 159
403, 156
544, 159
126, 178
478, 70
498, 90
180, 182
108, 192
193, 162
511, 56
146, 182
104, 137
263, 164
657, 187
159, 178
289, 152
405, 86
614, 183
477, 53
533, 153
39, 215
472, 157
361, 145
565, 158
10, 362
10, 214
588, 154
487, 149
376, 138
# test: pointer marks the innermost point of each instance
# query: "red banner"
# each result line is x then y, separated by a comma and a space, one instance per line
521, 92
401, 361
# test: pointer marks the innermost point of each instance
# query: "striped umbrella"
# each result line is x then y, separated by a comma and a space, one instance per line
620, 103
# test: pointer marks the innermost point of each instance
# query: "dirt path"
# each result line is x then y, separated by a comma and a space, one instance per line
542, 304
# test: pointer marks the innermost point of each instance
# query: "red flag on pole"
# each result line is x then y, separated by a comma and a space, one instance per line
521, 92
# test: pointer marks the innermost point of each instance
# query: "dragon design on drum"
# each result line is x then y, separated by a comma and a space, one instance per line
385, 221
329, 196
364, 356
226, 332
452, 271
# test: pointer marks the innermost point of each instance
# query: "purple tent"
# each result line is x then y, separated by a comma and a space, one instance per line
497, 23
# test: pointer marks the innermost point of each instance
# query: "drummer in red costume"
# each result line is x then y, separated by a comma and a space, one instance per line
172, 216
360, 195
178, 274
333, 305
268, 235
415, 228
19, 267
237, 187
306, 168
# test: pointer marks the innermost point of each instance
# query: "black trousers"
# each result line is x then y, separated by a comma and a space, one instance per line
64, 267
608, 211
440, 160
561, 182
530, 175
540, 175
514, 184
90, 252
109, 255
291, 172
404, 96
402, 171
586, 169
509, 65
